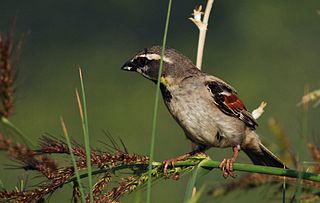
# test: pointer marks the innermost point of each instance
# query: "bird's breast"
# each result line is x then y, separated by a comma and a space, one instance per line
194, 110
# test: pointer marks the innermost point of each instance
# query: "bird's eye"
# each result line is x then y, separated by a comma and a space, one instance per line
141, 61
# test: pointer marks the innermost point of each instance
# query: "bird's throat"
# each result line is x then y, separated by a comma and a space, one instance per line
165, 93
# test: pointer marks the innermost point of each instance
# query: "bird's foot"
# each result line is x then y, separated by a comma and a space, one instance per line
226, 166
170, 162
173, 161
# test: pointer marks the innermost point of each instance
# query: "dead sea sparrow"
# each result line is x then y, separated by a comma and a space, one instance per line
207, 108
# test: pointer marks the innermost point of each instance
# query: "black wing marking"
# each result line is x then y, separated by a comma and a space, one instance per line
228, 102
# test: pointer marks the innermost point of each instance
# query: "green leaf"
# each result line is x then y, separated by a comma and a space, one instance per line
82, 104
156, 103
73, 159
137, 197
198, 172
18, 132
197, 196
1, 185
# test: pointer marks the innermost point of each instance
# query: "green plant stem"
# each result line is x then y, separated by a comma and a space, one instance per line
1, 185
209, 164
284, 188
301, 150
197, 174
85, 127
155, 110
22, 136
185, 166
107, 170
73, 159
257, 169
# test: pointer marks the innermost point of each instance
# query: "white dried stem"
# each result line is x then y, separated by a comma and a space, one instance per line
202, 26
259, 111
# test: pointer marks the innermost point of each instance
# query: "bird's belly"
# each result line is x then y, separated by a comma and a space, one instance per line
204, 123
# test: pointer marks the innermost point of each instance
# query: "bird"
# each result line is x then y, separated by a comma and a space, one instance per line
207, 108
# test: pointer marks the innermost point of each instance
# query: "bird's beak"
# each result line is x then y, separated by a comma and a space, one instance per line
128, 66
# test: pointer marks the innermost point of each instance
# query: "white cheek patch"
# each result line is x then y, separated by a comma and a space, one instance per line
156, 57
139, 70
128, 68
143, 73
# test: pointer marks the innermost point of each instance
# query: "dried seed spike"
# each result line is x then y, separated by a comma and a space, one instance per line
6, 74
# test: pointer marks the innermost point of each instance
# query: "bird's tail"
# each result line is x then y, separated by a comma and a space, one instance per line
264, 157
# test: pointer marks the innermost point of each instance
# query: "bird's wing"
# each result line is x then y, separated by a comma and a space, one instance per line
226, 99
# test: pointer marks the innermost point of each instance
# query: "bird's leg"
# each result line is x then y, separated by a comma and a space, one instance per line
179, 158
227, 164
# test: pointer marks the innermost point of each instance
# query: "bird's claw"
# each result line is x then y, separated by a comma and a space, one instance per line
226, 166
173, 161
166, 164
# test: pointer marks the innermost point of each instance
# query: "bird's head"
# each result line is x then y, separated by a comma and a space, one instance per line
147, 63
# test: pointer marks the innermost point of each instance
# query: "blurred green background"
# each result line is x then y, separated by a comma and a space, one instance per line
268, 50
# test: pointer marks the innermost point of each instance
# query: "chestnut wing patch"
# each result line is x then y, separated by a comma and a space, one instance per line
228, 102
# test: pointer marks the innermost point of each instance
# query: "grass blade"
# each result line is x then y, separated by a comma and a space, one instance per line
198, 172
156, 103
197, 196
84, 119
284, 188
301, 150
18, 132
65, 132
137, 197
1, 185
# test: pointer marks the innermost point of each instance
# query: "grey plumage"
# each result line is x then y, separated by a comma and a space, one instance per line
207, 108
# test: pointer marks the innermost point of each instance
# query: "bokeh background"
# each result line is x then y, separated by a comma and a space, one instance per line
268, 50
